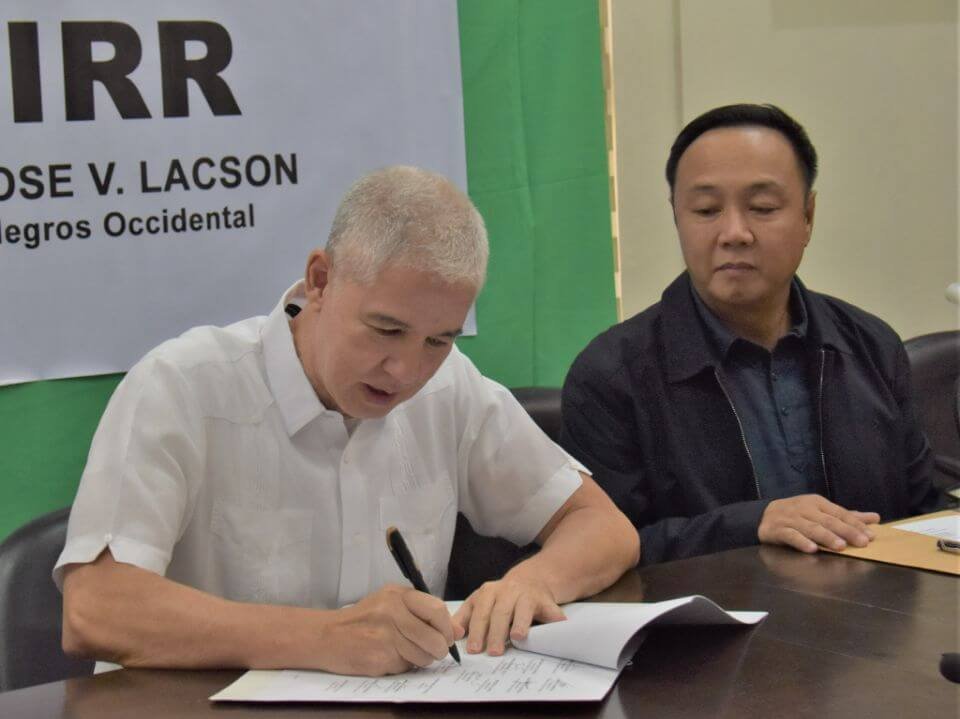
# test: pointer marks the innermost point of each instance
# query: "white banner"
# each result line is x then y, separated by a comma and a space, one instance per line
171, 164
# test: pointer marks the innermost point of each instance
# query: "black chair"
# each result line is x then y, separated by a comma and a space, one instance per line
476, 559
31, 607
543, 405
935, 367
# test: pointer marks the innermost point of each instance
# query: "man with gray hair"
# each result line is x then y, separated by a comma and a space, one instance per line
233, 508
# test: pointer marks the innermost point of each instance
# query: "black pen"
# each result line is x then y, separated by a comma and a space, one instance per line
404, 560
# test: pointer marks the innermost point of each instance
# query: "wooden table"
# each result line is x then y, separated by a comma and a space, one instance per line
845, 638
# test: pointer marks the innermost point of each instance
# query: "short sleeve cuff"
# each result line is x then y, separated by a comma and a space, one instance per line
83, 550
575, 464
538, 510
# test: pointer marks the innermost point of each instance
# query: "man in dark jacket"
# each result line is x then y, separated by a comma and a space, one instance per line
743, 407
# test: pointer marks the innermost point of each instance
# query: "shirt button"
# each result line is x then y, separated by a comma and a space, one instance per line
784, 411
358, 538
108, 538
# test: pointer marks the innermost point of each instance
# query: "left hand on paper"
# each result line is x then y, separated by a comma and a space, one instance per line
503, 608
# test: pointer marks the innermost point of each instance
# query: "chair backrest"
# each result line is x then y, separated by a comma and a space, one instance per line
935, 370
543, 405
31, 607
475, 558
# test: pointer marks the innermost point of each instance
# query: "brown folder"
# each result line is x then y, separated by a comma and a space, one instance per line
909, 549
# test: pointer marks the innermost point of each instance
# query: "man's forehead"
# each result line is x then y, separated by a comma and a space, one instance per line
738, 135
754, 187
742, 149
407, 297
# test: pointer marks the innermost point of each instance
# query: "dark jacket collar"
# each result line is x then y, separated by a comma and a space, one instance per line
689, 347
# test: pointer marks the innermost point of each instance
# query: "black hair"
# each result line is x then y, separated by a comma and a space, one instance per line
747, 114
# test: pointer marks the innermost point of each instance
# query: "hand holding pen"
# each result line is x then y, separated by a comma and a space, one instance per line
408, 567
389, 631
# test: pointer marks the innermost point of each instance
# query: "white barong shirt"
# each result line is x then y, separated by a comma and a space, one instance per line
216, 465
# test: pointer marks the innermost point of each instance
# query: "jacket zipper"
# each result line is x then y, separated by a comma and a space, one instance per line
823, 458
743, 436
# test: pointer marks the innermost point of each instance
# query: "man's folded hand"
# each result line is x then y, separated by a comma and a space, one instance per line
809, 520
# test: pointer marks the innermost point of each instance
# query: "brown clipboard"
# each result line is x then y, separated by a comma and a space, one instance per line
908, 549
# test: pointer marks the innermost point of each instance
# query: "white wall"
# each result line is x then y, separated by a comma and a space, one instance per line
874, 83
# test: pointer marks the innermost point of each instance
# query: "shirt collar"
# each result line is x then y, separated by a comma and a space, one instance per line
295, 397
723, 339
798, 310
687, 343
717, 332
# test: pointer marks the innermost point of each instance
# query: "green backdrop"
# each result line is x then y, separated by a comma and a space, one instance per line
537, 170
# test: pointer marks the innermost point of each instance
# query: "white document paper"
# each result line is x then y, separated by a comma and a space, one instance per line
516, 676
943, 527
575, 660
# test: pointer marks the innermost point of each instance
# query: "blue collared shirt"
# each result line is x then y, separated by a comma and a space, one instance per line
773, 399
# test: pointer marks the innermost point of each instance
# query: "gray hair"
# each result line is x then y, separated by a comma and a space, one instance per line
411, 217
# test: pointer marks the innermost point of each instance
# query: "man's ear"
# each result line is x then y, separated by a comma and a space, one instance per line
317, 278
809, 207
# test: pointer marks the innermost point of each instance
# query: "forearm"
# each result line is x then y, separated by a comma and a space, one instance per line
125, 614
590, 548
727, 527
